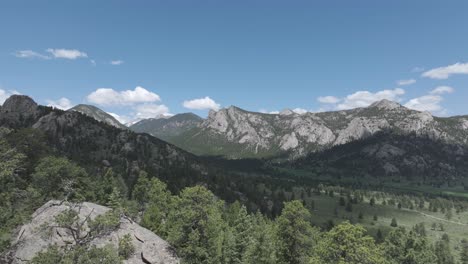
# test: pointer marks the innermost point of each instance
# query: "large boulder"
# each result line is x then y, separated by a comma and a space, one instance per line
32, 237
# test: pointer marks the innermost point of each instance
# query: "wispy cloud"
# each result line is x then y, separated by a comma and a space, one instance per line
116, 62
445, 72
29, 54
442, 90
328, 99
432, 101
361, 98
406, 82
70, 54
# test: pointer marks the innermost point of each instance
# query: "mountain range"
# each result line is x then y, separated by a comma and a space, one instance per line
236, 133
384, 141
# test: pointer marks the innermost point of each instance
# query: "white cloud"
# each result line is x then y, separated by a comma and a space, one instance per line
442, 90
300, 111
151, 110
328, 99
116, 62
110, 97
445, 72
431, 102
264, 111
406, 82
366, 98
5, 94
70, 54
121, 119
29, 54
62, 103
202, 104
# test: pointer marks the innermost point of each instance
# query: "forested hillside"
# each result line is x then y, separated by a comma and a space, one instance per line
209, 210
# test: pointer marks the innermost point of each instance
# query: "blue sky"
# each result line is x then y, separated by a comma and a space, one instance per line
258, 55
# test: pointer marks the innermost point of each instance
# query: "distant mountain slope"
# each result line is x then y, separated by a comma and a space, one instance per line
236, 133
167, 128
97, 114
96, 144
392, 157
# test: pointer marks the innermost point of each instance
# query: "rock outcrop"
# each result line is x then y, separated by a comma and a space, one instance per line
235, 133
42, 232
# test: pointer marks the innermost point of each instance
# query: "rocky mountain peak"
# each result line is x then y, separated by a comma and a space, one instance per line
21, 104
98, 114
385, 105
286, 112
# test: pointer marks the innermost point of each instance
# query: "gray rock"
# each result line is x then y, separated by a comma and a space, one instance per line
41, 233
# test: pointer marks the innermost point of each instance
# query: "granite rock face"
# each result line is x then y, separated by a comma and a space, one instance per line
235, 133
33, 238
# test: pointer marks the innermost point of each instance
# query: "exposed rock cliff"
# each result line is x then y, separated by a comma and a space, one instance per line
236, 133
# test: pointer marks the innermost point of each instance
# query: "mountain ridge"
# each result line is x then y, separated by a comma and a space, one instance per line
236, 133
98, 114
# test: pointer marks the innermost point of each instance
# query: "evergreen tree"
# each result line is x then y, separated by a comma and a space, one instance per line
443, 252
401, 246
379, 236
159, 206
242, 228
141, 189
115, 199
195, 226
262, 247
61, 179
347, 243
294, 233
464, 253
394, 223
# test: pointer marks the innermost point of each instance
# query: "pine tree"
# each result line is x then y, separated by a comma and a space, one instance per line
195, 227
115, 199
347, 243
262, 247
401, 246
394, 223
294, 233
158, 208
443, 252
141, 189
379, 236
464, 253
242, 228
